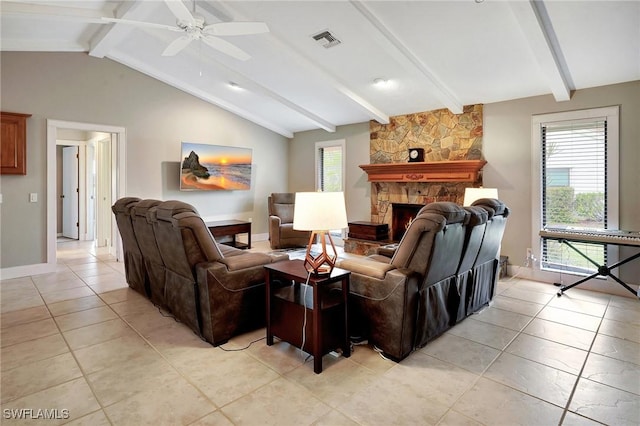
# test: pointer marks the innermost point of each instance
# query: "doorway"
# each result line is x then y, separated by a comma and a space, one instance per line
84, 179
111, 148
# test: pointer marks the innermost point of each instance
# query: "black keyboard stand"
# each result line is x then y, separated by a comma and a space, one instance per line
603, 270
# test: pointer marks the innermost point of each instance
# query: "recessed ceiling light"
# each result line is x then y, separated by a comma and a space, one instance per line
234, 85
381, 83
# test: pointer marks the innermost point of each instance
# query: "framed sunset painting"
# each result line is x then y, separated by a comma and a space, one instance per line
214, 167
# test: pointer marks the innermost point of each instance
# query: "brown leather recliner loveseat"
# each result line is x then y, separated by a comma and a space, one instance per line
216, 290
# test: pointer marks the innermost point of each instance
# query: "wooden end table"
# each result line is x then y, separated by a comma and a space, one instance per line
224, 228
324, 305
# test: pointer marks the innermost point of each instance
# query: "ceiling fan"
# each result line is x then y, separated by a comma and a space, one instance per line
194, 28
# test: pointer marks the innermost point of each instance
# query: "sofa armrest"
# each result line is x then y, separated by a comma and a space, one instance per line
366, 266
244, 261
274, 231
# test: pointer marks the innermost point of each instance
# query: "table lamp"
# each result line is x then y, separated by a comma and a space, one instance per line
319, 212
473, 194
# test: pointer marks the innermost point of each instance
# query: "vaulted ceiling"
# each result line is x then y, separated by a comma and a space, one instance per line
426, 54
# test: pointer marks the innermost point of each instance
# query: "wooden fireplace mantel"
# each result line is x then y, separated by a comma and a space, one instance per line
431, 171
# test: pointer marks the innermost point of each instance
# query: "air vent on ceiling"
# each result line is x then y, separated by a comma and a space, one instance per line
326, 39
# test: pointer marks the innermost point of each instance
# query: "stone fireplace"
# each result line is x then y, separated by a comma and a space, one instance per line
445, 137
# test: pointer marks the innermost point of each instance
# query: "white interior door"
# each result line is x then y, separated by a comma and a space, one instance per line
70, 200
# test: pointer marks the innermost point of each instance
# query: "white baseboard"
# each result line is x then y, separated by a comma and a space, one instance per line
26, 270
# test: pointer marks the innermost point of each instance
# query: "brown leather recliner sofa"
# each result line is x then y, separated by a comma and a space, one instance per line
143, 216
134, 267
216, 290
281, 232
444, 268
474, 234
481, 286
403, 302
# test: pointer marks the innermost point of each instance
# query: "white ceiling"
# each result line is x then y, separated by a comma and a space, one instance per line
435, 54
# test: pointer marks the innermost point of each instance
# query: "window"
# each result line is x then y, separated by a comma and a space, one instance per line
330, 166
578, 182
557, 176
330, 177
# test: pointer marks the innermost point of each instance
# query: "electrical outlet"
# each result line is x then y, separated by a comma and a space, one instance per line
530, 259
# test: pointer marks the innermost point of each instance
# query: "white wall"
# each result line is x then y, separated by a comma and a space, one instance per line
76, 87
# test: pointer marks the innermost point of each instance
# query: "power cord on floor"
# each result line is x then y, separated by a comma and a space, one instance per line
242, 349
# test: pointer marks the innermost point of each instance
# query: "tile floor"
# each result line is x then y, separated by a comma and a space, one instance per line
81, 345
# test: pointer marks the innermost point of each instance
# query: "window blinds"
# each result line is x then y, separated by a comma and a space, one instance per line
330, 168
574, 187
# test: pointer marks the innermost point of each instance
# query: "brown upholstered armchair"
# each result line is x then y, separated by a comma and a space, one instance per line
402, 302
281, 232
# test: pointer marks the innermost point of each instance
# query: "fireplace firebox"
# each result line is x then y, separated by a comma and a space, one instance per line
401, 216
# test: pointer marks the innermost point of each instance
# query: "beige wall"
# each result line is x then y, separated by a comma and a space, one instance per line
76, 87
302, 165
508, 151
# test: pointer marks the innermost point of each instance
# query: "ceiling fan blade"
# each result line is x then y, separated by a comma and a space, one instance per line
177, 45
180, 11
142, 24
226, 47
236, 28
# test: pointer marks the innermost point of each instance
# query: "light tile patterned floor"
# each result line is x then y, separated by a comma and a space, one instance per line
79, 341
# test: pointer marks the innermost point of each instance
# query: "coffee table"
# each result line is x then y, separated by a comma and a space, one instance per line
317, 303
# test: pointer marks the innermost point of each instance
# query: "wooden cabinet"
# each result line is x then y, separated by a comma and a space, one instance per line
13, 137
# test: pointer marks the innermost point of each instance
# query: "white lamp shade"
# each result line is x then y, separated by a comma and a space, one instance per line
319, 211
473, 194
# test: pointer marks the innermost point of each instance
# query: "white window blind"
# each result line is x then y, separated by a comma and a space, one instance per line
574, 189
329, 168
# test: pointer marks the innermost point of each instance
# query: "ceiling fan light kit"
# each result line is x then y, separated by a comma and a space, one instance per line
194, 28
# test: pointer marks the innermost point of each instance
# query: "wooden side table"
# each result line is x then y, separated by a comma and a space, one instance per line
231, 228
324, 305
